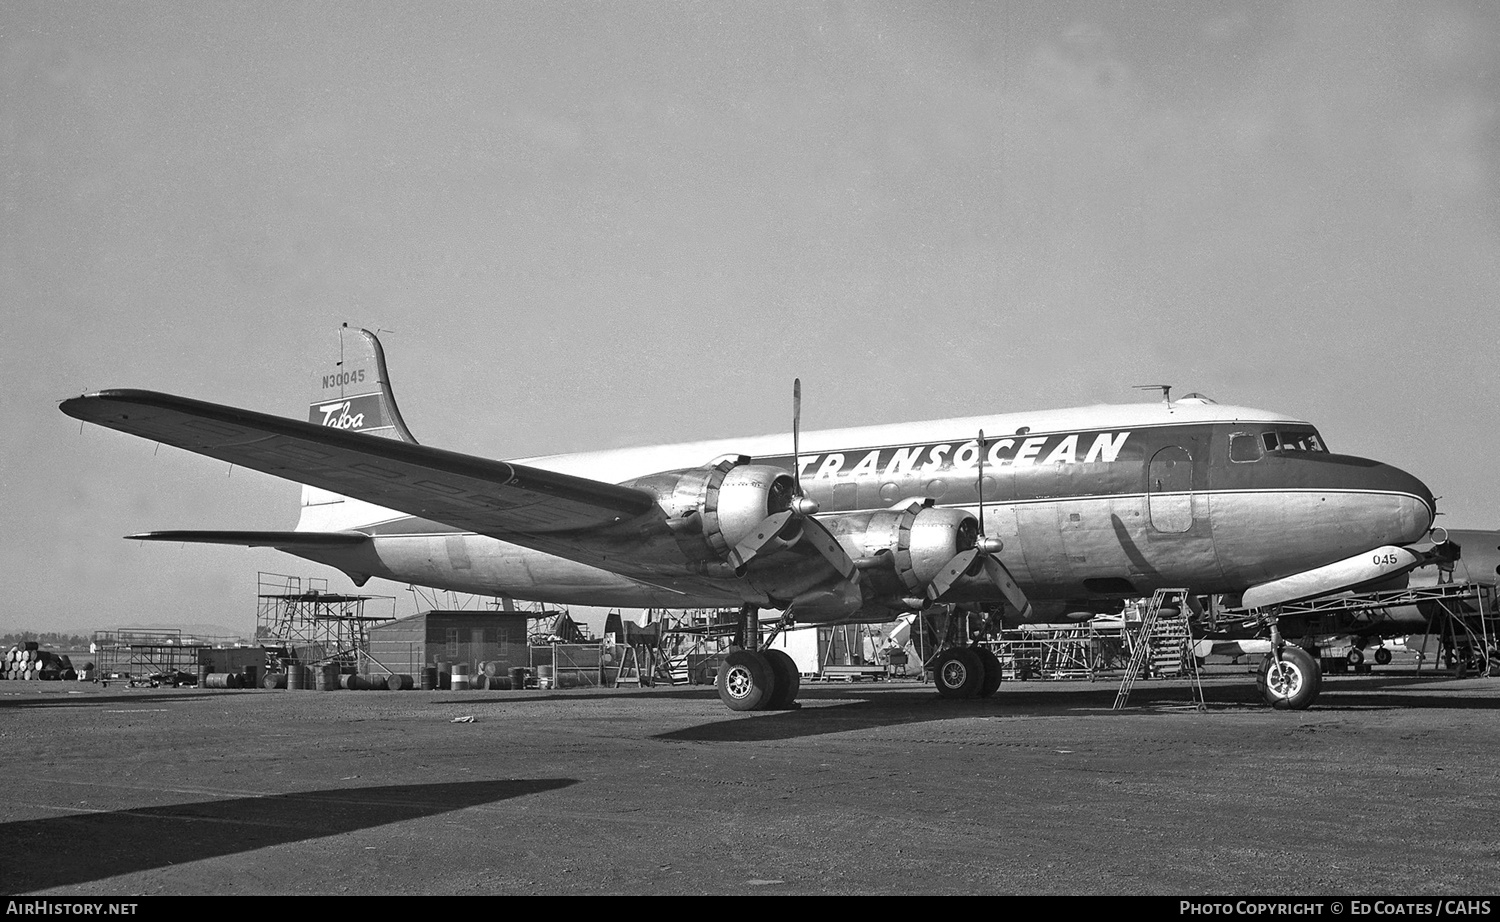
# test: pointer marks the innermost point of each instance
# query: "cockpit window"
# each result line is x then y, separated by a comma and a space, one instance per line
1244, 446
1293, 440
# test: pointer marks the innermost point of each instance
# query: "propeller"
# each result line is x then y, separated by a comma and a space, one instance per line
981, 557
795, 523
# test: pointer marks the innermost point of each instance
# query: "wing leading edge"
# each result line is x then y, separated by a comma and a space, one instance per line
488, 497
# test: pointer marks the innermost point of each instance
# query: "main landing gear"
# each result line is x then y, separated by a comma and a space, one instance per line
966, 672
1356, 656
757, 680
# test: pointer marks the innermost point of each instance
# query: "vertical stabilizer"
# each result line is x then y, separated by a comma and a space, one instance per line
355, 393
352, 393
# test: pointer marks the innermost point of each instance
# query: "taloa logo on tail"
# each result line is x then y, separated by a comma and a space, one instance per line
342, 415
356, 395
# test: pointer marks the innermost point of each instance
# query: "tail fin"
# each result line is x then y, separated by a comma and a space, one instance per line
356, 393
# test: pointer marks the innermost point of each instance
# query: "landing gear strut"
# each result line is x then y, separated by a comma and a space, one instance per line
1290, 677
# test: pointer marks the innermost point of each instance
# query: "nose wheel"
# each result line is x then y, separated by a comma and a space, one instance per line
1290, 681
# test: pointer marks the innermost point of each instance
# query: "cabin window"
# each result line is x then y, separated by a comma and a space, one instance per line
1244, 446
1298, 439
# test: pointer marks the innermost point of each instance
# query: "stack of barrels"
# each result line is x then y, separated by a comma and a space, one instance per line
490, 675
495, 675
28, 662
382, 682
331, 677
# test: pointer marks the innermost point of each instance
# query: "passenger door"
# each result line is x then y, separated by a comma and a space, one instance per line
1170, 490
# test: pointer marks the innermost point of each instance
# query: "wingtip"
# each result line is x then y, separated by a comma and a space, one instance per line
73, 405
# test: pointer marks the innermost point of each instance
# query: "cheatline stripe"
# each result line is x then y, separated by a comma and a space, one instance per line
373, 529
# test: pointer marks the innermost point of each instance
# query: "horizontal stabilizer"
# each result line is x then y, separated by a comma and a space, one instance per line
279, 539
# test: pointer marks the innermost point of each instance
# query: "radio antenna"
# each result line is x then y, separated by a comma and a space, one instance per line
1166, 390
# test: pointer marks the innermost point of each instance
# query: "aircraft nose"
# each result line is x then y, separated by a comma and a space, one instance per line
1415, 506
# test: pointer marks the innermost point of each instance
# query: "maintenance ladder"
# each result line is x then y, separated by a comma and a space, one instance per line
1178, 639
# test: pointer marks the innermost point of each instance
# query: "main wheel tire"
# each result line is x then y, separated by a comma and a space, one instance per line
746, 681
1355, 656
958, 673
991, 664
786, 680
1291, 683
1383, 656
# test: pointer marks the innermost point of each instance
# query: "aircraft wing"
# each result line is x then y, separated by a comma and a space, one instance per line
492, 498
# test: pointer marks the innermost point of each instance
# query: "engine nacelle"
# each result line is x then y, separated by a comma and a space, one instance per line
911, 543
712, 509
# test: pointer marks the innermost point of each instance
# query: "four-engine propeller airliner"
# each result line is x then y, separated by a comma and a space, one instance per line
1027, 515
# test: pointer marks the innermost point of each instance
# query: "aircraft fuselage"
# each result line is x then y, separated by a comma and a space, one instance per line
1092, 504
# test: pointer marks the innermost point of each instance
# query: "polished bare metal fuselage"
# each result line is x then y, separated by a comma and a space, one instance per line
1090, 505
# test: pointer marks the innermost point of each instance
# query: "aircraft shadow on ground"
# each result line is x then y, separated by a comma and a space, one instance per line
855, 711
1404, 693
68, 850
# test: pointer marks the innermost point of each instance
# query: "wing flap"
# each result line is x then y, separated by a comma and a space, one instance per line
489, 497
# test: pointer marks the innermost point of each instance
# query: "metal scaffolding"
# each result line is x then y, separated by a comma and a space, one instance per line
1101, 647
1461, 615
134, 652
312, 626
693, 643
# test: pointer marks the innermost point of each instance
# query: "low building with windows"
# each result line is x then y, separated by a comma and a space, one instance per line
479, 642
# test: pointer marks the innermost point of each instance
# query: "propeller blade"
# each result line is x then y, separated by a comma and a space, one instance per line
821, 538
800, 503
951, 572
797, 435
981, 482
766, 534
994, 571
1001, 577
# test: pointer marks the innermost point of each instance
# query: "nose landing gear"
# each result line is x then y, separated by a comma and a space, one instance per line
1289, 680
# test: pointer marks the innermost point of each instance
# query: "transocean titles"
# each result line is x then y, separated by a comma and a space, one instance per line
1015, 450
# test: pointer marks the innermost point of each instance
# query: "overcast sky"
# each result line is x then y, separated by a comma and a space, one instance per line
610, 223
